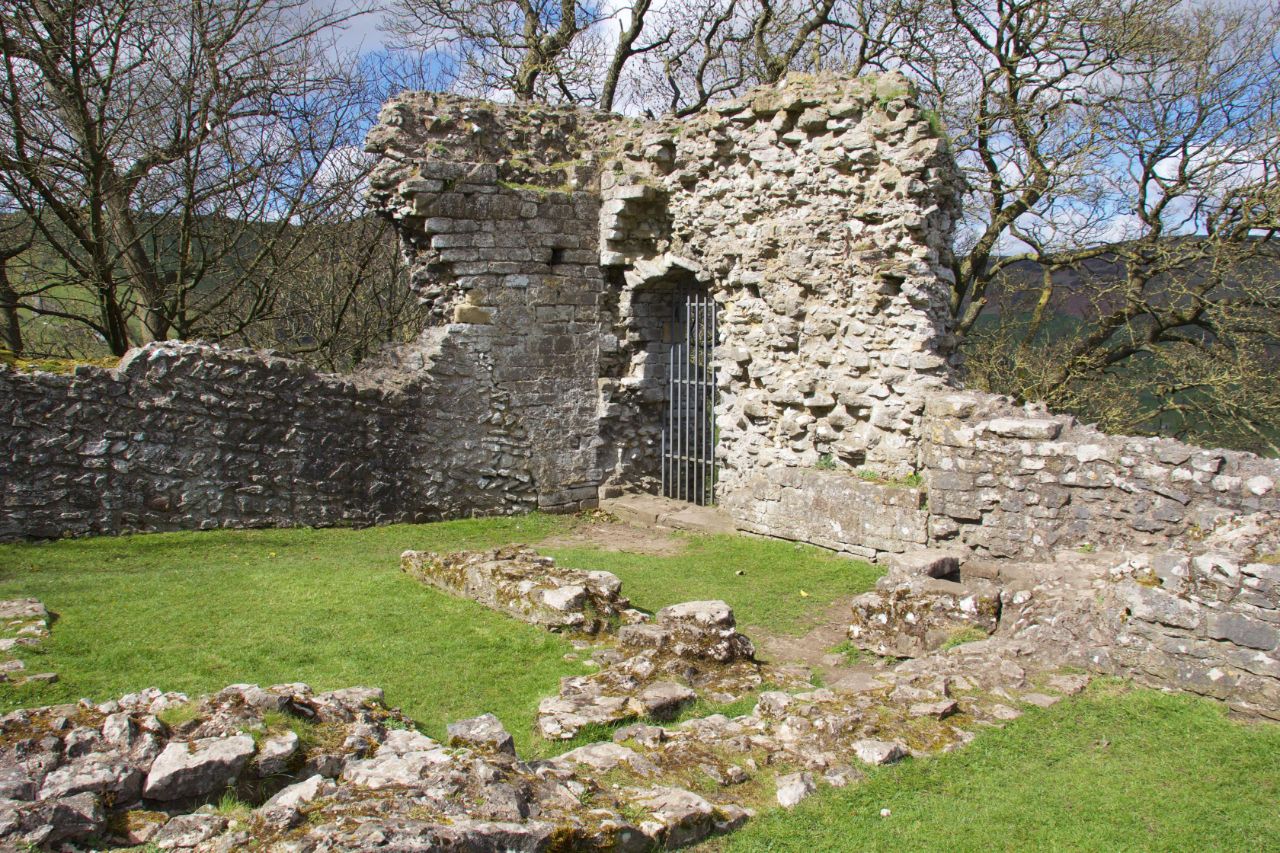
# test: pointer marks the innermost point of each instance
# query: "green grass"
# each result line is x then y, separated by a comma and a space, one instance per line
194, 612
197, 611
960, 636
854, 655
1110, 770
783, 589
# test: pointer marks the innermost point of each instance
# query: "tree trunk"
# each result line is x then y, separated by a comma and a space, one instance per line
140, 266
9, 313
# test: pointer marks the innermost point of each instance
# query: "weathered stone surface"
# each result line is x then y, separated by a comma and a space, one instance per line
560, 718
48, 822
656, 668
937, 710
1200, 617
793, 788
661, 700
929, 562
275, 754
197, 768
693, 630
683, 816
520, 582
405, 759
601, 757
24, 624
186, 831
283, 809
878, 751
485, 731
1024, 428
97, 773
919, 616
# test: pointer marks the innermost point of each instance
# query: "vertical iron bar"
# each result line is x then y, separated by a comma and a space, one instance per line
662, 461
671, 407
702, 400
684, 406
715, 340
697, 402
680, 393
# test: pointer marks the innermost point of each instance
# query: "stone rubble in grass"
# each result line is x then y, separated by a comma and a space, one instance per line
878, 751
24, 625
920, 604
793, 788
74, 773
657, 668
519, 582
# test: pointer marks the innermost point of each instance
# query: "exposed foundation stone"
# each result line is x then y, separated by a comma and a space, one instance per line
532, 588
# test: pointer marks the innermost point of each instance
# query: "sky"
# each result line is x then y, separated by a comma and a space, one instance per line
361, 33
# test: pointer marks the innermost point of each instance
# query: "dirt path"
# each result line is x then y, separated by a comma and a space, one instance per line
605, 534
812, 650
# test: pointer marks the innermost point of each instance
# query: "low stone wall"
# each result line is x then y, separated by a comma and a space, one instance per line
188, 437
516, 580
1009, 481
831, 509
1205, 619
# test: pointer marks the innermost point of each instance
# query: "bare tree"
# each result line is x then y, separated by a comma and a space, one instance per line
174, 153
1140, 133
530, 49
720, 48
349, 298
674, 56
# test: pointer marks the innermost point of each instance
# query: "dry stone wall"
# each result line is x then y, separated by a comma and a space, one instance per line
1204, 616
1010, 481
836, 510
186, 436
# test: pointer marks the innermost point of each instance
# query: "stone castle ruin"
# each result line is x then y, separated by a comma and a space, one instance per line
747, 307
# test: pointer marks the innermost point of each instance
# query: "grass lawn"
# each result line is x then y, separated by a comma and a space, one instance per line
1113, 769
784, 586
197, 611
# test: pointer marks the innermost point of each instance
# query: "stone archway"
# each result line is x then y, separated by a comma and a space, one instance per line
660, 354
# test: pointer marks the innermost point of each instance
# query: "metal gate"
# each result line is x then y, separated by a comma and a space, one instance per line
689, 433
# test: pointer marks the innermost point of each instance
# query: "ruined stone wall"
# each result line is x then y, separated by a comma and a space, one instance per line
1204, 617
494, 212
818, 214
1010, 481
837, 510
186, 437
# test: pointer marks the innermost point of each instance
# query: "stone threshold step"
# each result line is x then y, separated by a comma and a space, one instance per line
654, 511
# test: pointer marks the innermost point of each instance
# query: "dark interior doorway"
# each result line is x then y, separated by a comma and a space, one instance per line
689, 424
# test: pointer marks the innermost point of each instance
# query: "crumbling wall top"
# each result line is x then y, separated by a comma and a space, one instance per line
531, 145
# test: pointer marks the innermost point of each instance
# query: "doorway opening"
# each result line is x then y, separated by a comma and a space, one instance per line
689, 423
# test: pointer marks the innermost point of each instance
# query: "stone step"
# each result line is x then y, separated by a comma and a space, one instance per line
654, 511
